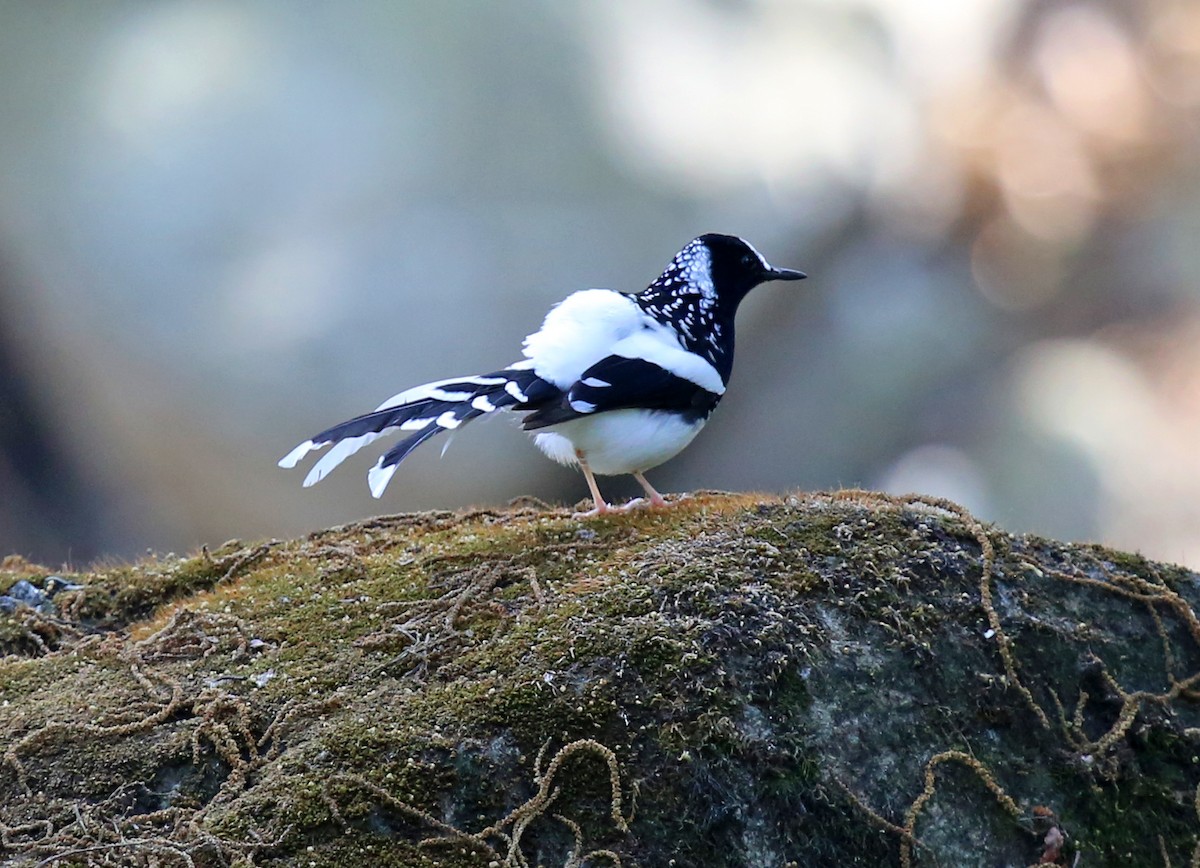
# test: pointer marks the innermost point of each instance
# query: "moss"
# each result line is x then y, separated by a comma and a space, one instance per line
773, 677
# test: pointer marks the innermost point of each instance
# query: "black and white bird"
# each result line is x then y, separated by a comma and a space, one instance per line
612, 382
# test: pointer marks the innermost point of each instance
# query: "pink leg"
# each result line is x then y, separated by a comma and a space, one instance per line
656, 499
600, 506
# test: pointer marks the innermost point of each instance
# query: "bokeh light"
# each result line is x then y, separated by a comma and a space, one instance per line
225, 225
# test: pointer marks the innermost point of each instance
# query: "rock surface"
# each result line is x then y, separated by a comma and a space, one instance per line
828, 679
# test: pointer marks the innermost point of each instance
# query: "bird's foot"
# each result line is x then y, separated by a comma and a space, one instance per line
600, 509
656, 502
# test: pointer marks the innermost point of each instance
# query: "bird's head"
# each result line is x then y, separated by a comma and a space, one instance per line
736, 267
710, 276
698, 293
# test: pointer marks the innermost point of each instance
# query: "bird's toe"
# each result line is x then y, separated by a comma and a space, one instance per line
602, 509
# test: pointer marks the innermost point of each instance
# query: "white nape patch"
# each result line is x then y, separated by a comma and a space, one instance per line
448, 420
583, 407
515, 390
293, 458
595, 383
482, 403
379, 476
416, 424
341, 450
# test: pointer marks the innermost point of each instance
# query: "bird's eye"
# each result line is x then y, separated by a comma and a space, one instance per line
747, 260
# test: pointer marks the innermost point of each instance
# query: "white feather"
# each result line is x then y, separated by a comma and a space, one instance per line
619, 441
580, 331
556, 447
293, 458
656, 345
435, 391
448, 420
341, 450
593, 324
378, 477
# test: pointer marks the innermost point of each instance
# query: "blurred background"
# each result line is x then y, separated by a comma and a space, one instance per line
227, 225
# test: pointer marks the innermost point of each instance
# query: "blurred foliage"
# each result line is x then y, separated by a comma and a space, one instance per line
224, 226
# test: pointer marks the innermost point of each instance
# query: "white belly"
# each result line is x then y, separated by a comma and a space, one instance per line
619, 441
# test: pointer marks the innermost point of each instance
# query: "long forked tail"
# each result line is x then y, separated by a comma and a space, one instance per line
425, 411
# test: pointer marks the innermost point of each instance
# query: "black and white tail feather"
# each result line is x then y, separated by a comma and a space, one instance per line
425, 411
614, 383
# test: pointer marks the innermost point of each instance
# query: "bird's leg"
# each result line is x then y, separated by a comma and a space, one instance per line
656, 500
600, 506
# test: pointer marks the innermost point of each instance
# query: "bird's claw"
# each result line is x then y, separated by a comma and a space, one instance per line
636, 503
643, 503
602, 509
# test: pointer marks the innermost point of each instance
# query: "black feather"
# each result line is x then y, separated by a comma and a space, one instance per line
536, 391
633, 383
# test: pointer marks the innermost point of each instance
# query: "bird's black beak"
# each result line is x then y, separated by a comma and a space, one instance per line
784, 274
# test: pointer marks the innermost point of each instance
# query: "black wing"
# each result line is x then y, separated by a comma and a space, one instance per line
617, 383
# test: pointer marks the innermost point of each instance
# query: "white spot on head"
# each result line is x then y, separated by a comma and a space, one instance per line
695, 265
595, 383
583, 407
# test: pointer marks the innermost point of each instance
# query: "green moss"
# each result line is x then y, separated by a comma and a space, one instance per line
746, 659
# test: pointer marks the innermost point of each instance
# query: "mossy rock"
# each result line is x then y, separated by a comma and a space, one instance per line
837, 679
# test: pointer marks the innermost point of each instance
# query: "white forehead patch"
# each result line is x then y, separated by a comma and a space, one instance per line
753, 250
